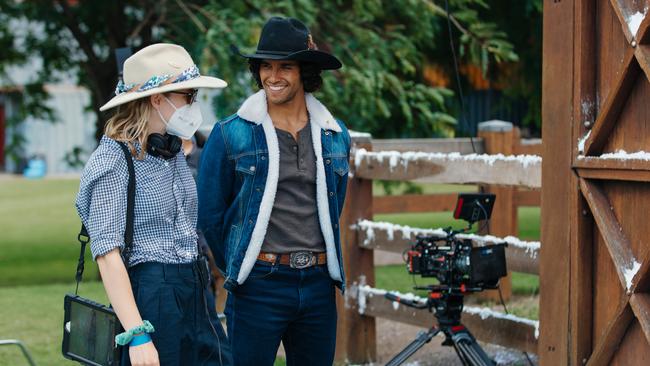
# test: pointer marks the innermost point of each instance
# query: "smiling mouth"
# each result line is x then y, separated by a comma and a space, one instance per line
276, 88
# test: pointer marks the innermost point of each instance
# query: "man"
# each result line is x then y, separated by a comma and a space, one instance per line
271, 190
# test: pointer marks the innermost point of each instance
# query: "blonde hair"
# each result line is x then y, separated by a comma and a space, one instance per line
131, 123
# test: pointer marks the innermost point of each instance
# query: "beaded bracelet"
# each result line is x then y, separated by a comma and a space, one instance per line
125, 338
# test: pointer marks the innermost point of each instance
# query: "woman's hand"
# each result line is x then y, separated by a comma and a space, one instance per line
144, 355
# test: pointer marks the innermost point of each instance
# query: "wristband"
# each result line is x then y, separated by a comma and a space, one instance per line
125, 338
140, 340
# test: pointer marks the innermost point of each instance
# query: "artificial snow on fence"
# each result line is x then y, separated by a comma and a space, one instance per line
521, 256
421, 167
485, 324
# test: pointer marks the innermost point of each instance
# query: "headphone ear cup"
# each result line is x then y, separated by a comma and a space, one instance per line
174, 144
158, 145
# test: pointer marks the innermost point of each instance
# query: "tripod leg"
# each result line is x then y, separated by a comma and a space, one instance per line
422, 339
469, 351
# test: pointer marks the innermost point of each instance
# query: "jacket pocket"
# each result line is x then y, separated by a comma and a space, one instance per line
246, 165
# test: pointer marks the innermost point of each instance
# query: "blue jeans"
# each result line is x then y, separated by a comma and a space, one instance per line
279, 303
171, 298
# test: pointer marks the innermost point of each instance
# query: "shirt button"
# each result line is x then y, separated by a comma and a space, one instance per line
166, 163
336, 226
295, 147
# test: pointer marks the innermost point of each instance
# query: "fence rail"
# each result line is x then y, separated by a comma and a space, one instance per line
512, 171
420, 167
521, 256
486, 325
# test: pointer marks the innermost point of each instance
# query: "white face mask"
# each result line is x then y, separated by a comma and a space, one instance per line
185, 120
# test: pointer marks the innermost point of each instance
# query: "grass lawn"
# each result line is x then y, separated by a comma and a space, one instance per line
38, 254
39, 226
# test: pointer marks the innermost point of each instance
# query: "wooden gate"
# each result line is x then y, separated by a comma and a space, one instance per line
595, 191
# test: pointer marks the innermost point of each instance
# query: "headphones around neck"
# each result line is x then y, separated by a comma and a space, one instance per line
165, 146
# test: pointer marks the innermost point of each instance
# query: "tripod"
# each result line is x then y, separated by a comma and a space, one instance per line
448, 306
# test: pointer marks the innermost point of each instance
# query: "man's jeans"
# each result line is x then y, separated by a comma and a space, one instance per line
280, 303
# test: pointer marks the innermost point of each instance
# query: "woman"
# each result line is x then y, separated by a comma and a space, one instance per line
157, 294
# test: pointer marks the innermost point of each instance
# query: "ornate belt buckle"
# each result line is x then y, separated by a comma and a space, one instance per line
300, 260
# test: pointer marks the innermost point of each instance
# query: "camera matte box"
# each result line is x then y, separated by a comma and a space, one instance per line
488, 265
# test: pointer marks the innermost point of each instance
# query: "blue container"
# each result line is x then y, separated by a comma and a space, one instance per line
36, 168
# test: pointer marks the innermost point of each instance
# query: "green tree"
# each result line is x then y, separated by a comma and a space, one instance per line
76, 39
384, 46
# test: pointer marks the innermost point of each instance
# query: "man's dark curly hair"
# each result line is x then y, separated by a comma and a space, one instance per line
309, 74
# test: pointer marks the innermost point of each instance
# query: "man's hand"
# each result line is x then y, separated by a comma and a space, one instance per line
144, 355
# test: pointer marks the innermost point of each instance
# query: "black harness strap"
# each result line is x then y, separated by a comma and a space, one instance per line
83, 236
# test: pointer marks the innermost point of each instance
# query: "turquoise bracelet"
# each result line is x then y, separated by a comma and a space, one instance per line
140, 340
125, 338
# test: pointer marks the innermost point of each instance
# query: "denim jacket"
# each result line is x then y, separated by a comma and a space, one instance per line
238, 181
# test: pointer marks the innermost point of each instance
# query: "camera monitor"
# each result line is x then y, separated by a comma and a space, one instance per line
473, 207
89, 331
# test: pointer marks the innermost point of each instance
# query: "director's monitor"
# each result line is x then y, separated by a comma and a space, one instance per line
473, 207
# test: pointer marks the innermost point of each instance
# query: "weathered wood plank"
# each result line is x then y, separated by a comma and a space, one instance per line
522, 171
580, 248
640, 304
558, 85
414, 203
356, 335
395, 238
622, 19
503, 330
434, 145
528, 198
615, 174
606, 121
616, 329
617, 243
590, 162
528, 147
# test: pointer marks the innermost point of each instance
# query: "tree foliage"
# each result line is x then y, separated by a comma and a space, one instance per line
384, 46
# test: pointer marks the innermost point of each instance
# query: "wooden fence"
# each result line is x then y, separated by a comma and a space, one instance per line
499, 161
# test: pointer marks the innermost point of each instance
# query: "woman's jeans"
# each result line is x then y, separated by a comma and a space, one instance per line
280, 303
171, 298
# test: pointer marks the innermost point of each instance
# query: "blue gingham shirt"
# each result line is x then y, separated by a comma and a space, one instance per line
164, 229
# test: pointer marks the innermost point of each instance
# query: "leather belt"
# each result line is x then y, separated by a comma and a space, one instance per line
297, 260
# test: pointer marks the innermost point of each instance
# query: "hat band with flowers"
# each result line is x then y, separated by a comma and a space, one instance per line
157, 69
158, 80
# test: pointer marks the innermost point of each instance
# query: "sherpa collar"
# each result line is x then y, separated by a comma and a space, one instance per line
255, 110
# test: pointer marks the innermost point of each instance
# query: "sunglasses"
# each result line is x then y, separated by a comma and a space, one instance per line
190, 97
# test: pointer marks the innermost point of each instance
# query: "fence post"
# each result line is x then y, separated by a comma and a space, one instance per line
356, 335
500, 138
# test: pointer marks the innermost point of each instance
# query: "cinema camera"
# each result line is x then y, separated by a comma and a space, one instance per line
460, 268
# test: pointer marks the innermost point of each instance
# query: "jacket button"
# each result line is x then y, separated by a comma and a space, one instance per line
327, 133
258, 189
250, 222
331, 194
336, 226
328, 161
263, 157
252, 168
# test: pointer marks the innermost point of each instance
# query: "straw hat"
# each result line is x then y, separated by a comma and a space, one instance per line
156, 69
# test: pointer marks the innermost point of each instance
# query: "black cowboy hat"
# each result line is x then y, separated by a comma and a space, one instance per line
289, 39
